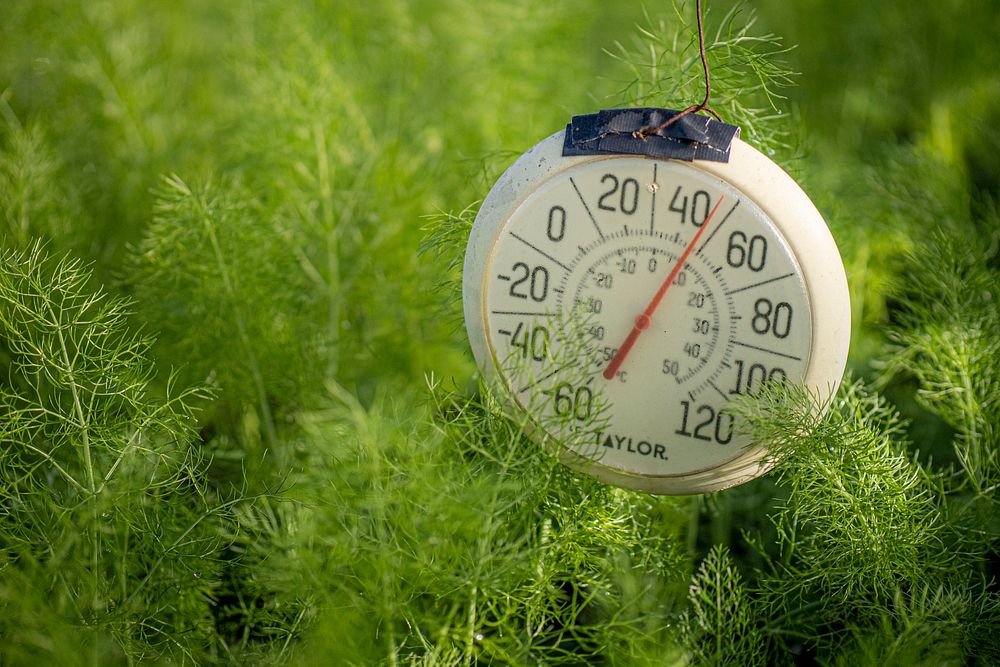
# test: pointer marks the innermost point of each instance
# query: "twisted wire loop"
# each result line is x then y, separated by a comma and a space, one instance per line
694, 108
657, 132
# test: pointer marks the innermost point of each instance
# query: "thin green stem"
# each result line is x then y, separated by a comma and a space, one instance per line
291, 632
323, 174
55, 464
88, 463
241, 330
177, 542
971, 457
694, 523
95, 557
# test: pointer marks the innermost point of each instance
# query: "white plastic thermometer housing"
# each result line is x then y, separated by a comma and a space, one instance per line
621, 303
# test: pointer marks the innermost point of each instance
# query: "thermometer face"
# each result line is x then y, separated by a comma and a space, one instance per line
625, 301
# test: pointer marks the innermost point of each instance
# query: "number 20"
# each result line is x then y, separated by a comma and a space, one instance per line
628, 198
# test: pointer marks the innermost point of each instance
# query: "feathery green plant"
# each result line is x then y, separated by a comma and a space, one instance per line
721, 623
251, 183
231, 303
32, 203
947, 336
747, 70
104, 498
504, 557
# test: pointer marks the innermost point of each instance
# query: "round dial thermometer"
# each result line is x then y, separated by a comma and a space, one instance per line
624, 301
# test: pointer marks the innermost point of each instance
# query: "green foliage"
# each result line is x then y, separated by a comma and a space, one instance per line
860, 518
665, 62
220, 278
721, 624
947, 336
466, 540
935, 627
104, 501
266, 476
32, 202
868, 536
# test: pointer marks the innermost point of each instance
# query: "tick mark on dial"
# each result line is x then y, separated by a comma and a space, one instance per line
539, 251
546, 377
718, 227
768, 351
716, 388
526, 313
763, 282
586, 208
653, 189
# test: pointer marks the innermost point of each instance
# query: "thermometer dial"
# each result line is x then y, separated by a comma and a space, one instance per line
622, 302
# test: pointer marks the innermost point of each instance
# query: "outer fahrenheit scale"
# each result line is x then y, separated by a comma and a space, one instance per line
623, 301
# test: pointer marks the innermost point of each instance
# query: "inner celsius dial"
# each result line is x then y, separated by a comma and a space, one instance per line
627, 300
614, 281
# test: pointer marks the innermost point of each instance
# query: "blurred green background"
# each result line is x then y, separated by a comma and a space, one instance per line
279, 187
380, 113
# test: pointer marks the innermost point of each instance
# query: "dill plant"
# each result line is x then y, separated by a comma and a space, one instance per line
295, 465
104, 499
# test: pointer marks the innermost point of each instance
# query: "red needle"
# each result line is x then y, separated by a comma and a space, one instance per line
643, 319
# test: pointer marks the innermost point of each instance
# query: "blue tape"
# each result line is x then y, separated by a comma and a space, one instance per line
631, 132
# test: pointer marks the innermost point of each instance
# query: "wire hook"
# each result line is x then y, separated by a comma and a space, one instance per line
694, 108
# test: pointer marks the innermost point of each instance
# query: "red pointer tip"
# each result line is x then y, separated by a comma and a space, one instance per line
645, 318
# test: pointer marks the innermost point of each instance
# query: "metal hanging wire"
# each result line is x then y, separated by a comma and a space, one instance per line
694, 108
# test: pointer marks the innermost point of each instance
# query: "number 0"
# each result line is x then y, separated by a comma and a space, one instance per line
557, 223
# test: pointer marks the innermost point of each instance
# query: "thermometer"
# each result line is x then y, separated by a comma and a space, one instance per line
621, 302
